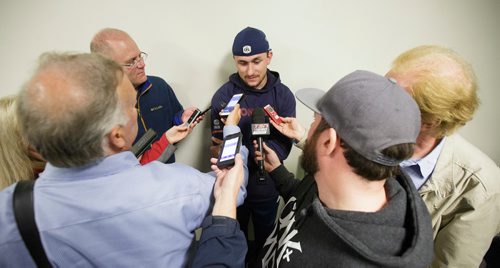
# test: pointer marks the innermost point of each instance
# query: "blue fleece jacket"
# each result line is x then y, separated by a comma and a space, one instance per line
157, 107
281, 99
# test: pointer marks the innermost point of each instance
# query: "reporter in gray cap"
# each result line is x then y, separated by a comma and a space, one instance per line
354, 207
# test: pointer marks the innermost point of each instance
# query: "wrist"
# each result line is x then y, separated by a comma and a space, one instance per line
300, 136
225, 204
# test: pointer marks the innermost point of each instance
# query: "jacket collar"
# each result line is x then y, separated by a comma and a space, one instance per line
443, 179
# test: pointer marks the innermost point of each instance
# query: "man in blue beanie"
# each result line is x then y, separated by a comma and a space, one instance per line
260, 86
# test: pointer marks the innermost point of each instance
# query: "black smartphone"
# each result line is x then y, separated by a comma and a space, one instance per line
230, 147
143, 143
230, 105
193, 117
206, 110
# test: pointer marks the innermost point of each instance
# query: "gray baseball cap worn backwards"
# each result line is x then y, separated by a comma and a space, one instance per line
370, 113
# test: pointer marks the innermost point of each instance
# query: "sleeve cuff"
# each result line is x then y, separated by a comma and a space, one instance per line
279, 172
231, 129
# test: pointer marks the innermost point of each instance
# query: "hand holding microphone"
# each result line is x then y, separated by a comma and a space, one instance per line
260, 129
268, 156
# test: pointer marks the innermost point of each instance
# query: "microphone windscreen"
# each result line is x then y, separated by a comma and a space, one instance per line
258, 116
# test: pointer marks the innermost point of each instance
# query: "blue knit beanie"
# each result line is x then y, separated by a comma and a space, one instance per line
250, 41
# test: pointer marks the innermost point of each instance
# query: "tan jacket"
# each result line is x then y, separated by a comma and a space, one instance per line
463, 198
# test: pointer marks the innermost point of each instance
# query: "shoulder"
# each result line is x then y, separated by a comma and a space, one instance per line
157, 79
159, 82
8, 228
460, 153
225, 91
178, 176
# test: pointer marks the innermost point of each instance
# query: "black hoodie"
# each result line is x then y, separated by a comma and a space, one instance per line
308, 234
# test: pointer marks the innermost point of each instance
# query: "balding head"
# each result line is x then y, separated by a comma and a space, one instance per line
102, 42
442, 83
117, 45
69, 105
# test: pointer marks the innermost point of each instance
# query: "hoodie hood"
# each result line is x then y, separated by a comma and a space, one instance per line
308, 234
273, 79
384, 238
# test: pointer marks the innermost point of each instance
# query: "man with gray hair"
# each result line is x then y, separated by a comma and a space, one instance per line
354, 208
95, 205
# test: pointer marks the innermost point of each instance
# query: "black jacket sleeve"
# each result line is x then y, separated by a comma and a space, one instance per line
285, 182
222, 244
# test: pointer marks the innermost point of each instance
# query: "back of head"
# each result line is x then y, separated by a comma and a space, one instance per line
100, 41
373, 116
16, 164
69, 105
250, 41
442, 83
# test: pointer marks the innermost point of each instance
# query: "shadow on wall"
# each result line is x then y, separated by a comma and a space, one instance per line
227, 67
225, 70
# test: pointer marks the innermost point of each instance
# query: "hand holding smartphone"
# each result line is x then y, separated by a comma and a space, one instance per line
193, 117
196, 114
236, 98
230, 147
272, 114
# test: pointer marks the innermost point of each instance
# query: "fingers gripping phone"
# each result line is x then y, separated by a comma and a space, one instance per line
197, 113
230, 147
272, 114
236, 98
193, 117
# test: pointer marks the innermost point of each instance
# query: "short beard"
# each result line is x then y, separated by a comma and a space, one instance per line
309, 161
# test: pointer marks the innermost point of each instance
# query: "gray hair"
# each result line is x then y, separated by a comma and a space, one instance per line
69, 106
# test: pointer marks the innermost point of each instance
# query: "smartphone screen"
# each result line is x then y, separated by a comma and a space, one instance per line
230, 148
230, 106
193, 117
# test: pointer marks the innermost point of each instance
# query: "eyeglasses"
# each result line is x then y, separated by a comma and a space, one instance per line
142, 57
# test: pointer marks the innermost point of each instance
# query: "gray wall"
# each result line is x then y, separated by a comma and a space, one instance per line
314, 42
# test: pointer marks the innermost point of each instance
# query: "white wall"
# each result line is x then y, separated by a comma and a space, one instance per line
315, 43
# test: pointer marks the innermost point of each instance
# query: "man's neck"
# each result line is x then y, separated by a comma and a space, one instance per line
343, 190
425, 144
262, 84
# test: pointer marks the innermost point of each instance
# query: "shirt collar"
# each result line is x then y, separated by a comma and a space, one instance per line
143, 86
421, 169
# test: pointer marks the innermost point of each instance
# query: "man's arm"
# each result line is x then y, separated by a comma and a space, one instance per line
464, 241
285, 181
171, 136
285, 107
222, 243
291, 128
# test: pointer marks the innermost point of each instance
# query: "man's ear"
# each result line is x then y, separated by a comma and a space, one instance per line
116, 140
327, 142
429, 127
269, 56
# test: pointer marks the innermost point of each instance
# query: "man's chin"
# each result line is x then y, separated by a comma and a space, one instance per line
139, 82
252, 84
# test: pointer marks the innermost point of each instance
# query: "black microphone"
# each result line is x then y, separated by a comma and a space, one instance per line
260, 129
